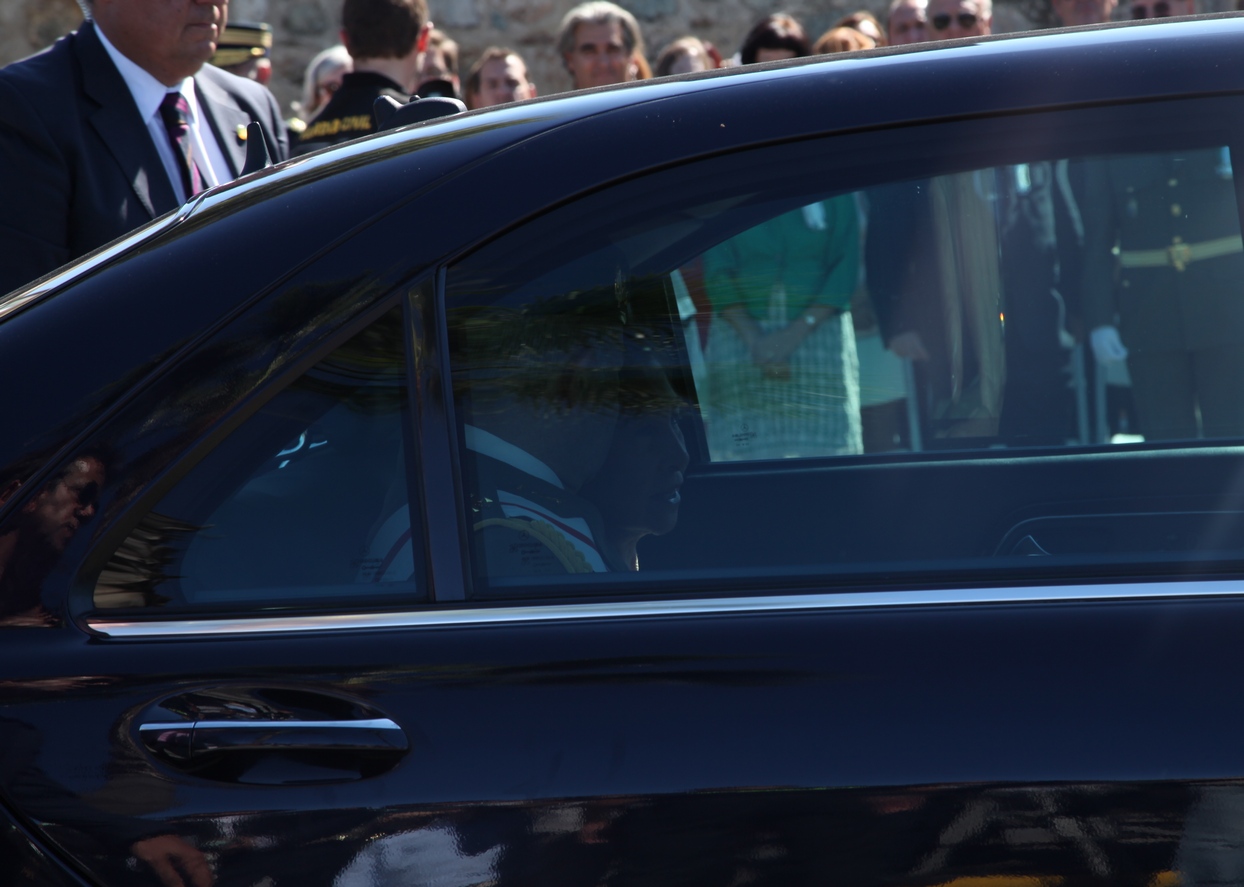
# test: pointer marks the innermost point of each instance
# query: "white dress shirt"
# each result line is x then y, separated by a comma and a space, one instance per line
148, 93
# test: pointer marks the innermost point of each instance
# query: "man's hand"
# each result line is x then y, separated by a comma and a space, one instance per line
166, 854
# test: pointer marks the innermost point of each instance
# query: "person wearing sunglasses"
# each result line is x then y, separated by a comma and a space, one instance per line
959, 18
1161, 8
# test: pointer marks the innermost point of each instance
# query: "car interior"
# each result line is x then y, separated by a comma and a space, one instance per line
1019, 457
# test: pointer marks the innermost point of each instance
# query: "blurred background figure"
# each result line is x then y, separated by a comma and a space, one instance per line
1083, 12
386, 40
773, 38
781, 363
907, 22
41, 531
438, 72
638, 488
1162, 259
866, 23
600, 43
245, 49
1139, 9
842, 40
497, 78
322, 79
960, 18
684, 56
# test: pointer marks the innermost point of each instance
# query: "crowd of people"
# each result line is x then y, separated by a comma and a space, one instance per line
601, 43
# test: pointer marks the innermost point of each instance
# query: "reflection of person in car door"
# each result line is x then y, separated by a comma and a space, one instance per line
36, 535
538, 389
1169, 299
174, 860
783, 376
638, 491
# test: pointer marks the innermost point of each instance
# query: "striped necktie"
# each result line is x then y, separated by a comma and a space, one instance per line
175, 112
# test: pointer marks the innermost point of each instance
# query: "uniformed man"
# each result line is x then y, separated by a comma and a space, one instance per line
386, 40
1164, 287
245, 49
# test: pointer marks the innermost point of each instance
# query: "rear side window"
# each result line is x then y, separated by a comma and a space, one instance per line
305, 504
1008, 352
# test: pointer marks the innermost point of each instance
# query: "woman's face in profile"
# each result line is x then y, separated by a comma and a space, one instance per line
638, 490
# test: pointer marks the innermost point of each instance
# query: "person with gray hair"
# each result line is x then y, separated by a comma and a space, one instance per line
600, 43
960, 18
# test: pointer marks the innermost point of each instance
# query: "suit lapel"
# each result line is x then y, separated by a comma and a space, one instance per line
226, 120
119, 125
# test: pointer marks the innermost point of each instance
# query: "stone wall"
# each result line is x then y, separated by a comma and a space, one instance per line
303, 27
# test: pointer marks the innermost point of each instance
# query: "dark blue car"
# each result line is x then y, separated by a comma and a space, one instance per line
826, 472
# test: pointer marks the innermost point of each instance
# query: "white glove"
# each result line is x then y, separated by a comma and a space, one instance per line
814, 217
1107, 346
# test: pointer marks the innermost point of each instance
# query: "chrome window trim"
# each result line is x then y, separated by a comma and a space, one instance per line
728, 606
19, 299
260, 724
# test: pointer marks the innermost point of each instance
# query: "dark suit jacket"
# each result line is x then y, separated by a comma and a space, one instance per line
78, 168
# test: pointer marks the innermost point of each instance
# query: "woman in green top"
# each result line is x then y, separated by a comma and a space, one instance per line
783, 378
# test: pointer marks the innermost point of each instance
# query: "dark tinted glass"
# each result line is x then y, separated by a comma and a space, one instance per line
303, 504
876, 357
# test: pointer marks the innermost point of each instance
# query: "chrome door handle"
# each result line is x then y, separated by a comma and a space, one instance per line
185, 741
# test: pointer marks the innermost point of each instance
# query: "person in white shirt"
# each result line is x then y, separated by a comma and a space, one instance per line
85, 153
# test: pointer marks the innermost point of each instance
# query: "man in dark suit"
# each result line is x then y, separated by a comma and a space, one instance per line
86, 153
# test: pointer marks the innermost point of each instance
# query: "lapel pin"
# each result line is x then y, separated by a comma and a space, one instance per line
241, 132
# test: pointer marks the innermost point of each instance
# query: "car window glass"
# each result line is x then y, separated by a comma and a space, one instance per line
304, 504
785, 337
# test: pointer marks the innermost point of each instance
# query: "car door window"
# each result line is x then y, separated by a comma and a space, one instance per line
843, 356
303, 504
